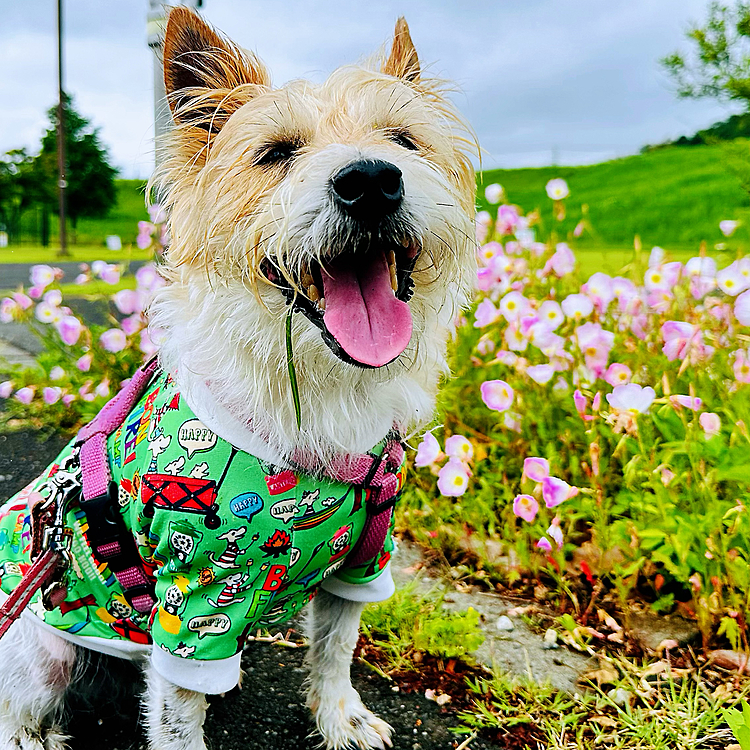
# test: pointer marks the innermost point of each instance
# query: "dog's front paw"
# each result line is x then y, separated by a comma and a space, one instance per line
28, 739
345, 722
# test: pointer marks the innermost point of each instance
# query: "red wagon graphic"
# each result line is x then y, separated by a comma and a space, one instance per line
181, 494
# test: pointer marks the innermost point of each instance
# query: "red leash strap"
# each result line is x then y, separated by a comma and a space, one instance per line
36, 576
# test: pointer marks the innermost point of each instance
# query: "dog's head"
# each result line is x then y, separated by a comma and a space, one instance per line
349, 202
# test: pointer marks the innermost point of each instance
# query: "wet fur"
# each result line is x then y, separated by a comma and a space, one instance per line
221, 322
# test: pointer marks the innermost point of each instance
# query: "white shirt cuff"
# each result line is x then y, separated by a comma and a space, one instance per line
377, 590
201, 675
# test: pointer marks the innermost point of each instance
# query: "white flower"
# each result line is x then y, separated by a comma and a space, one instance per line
657, 256
631, 397
731, 280
728, 227
742, 308
494, 193
551, 315
513, 306
557, 189
577, 306
540, 373
704, 268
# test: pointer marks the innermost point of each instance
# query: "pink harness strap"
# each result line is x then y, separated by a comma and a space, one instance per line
108, 534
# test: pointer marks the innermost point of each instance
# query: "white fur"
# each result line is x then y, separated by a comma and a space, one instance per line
342, 719
35, 669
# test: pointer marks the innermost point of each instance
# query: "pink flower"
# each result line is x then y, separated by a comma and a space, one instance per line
428, 451
453, 479
551, 315
9, 310
556, 491
741, 366
56, 373
132, 324
731, 280
599, 290
6, 388
711, 423
102, 389
742, 308
555, 533
618, 374
728, 227
631, 397
25, 395
512, 421
145, 228
69, 328
113, 340
679, 338
497, 395
156, 213
489, 251
110, 274
82, 278
68, 399
580, 401
689, 402
526, 507
595, 344
53, 297
84, 363
514, 306
126, 301
536, 469
486, 313
662, 277
42, 275
85, 391
540, 373
578, 231
507, 219
22, 300
563, 261
457, 446
51, 394
35, 292
544, 544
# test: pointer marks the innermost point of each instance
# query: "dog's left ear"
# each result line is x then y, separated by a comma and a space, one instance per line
403, 61
206, 76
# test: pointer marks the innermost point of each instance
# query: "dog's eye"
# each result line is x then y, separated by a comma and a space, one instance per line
276, 153
403, 138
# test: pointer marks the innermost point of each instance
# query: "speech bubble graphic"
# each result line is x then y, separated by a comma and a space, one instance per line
246, 505
284, 510
209, 625
195, 437
294, 555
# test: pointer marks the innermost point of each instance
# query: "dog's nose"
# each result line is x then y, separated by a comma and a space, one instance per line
368, 189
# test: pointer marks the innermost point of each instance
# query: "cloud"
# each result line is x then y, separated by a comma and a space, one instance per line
578, 79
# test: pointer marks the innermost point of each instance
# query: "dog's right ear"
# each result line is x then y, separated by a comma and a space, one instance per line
206, 76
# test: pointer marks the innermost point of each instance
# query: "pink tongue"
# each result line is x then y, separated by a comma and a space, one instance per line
362, 312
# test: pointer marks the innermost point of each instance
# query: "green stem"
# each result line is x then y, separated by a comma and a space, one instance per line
292, 371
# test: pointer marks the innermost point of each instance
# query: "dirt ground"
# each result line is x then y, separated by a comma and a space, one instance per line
268, 713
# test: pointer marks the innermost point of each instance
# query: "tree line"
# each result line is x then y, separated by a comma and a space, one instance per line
30, 182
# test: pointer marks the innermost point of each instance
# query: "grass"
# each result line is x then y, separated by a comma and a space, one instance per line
91, 233
673, 197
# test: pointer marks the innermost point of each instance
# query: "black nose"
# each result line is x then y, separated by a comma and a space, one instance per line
368, 190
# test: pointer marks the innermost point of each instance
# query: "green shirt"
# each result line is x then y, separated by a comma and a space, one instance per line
234, 544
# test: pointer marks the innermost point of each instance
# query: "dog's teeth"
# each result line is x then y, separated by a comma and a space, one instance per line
391, 257
394, 279
307, 280
313, 293
322, 303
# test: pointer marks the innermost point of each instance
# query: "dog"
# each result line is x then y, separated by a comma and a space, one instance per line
322, 246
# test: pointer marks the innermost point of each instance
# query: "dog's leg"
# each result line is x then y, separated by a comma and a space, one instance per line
174, 715
342, 719
35, 669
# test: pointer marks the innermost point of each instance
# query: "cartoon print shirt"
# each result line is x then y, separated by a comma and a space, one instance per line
234, 544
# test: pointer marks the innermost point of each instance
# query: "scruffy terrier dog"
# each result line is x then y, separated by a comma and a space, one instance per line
350, 205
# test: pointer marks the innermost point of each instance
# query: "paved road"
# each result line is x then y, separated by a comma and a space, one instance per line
13, 274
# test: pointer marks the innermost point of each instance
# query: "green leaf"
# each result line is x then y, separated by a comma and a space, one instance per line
735, 474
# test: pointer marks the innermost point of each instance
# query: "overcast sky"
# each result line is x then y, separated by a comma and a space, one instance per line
542, 81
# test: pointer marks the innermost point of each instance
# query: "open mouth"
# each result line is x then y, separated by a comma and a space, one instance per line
358, 299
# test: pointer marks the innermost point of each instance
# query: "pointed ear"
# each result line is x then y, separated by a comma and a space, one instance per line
202, 71
403, 61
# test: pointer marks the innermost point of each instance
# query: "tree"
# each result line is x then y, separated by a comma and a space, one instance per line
22, 185
719, 64
91, 178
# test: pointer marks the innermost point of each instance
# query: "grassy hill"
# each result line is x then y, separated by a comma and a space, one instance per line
673, 197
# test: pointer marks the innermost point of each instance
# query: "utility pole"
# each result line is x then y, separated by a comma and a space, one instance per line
155, 25
62, 182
